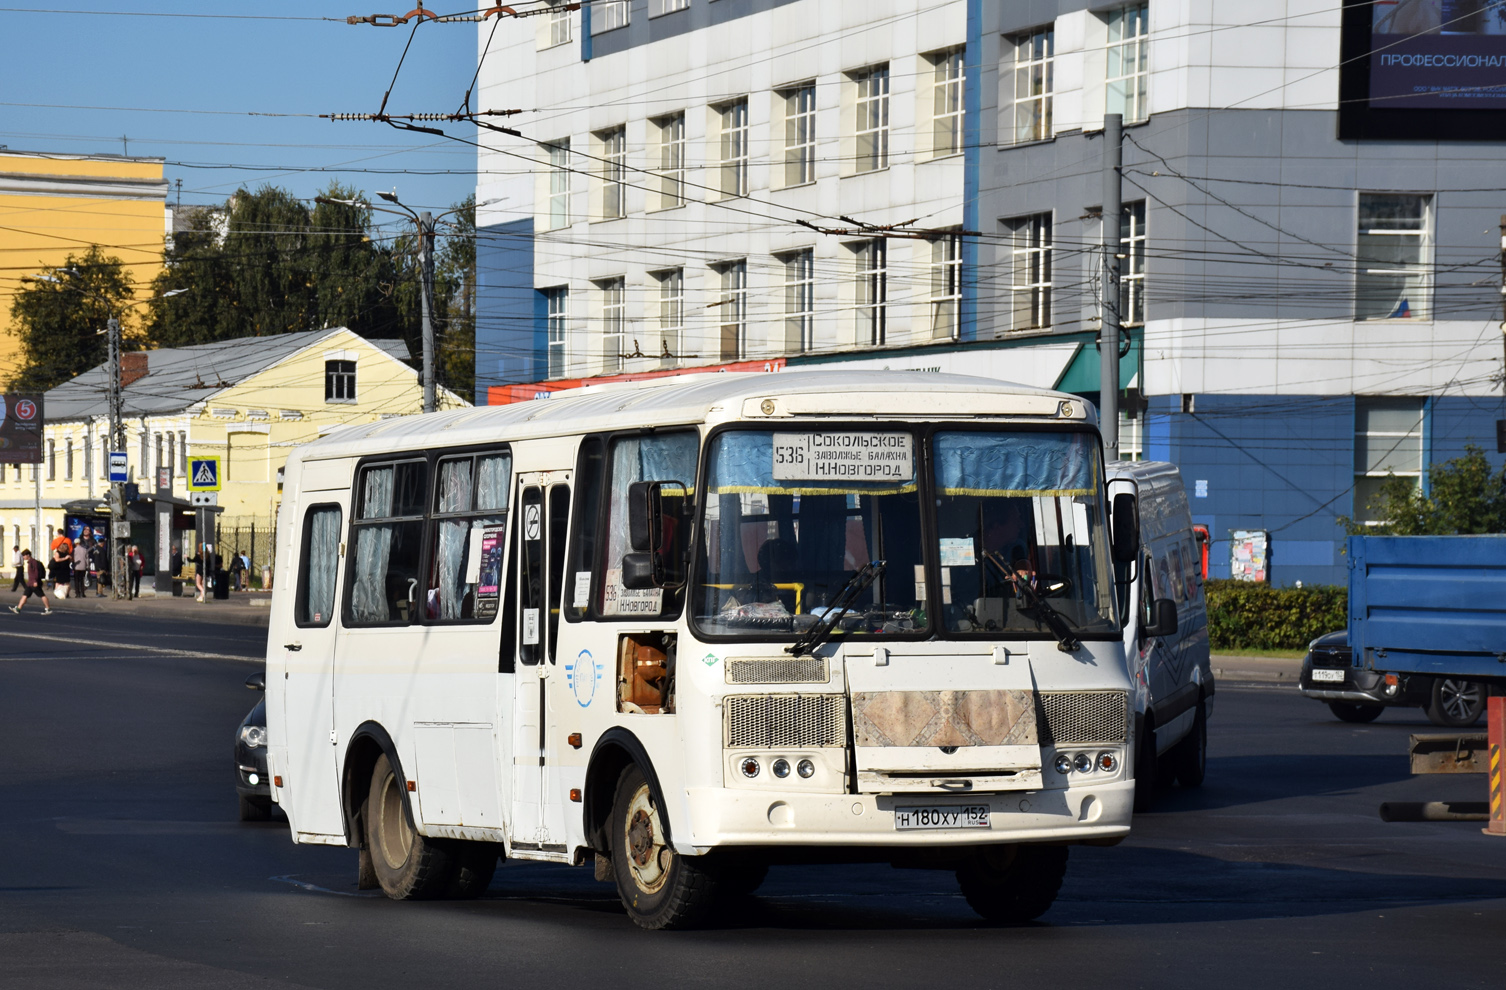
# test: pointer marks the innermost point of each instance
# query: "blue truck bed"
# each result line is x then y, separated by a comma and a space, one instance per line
1429, 604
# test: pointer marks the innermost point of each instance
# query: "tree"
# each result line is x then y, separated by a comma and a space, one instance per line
61, 319
455, 270
1465, 497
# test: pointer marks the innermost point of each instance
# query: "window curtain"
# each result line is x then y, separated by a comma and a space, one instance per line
1015, 465
492, 476
323, 557
368, 598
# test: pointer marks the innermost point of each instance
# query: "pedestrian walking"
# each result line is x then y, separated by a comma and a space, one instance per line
33, 584
97, 567
237, 571
15, 561
135, 564
81, 567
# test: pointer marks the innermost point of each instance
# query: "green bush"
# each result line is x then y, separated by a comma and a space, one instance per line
1243, 615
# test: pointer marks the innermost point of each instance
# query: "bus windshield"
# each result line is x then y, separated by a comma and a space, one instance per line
790, 517
1020, 534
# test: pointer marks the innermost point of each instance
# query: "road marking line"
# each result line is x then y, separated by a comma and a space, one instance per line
161, 651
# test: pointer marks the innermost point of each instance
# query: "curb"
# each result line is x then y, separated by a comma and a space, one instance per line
247, 608
1261, 670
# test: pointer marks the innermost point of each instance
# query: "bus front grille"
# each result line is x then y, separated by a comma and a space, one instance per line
1078, 717
777, 670
785, 721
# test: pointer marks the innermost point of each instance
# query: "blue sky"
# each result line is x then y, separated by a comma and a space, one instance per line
163, 73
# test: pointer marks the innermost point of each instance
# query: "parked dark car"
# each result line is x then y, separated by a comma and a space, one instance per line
251, 783
1356, 695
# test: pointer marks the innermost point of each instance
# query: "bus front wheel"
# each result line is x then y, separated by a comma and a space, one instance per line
659, 887
1013, 884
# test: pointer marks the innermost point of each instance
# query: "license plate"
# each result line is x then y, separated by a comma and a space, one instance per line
1336, 676
931, 816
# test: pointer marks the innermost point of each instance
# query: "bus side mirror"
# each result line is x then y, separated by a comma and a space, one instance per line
1126, 535
1163, 618
656, 512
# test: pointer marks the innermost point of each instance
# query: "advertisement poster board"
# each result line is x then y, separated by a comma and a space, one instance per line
1249, 554
21, 429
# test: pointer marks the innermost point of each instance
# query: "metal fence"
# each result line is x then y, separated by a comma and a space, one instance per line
255, 536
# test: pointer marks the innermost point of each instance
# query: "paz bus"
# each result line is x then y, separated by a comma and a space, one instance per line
683, 629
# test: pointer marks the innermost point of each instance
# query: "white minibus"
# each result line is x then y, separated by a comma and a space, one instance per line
686, 628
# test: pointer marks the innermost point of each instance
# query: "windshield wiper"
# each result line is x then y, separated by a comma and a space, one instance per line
1066, 640
841, 605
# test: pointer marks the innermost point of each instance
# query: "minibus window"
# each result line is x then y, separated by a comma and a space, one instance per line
559, 525
531, 576
319, 558
669, 457
465, 571
578, 576
387, 534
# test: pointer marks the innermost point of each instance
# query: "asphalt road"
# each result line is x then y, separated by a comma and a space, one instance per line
122, 865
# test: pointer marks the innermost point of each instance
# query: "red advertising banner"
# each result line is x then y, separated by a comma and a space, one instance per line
503, 395
21, 429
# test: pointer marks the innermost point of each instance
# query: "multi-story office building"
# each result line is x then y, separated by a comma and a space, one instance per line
1310, 239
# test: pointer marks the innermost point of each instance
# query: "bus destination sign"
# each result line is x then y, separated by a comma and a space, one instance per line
843, 456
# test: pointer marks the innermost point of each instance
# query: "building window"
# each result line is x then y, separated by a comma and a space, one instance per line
157, 444
872, 291
946, 286
559, 184
1132, 266
671, 316
1395, 249
946, 103
559, 22
613, 322
613, 173
88, 456
1034, 65
1128, 61
559, 314
183, 450
339, 381
734, 148
872, 118
52, 460
732, 308
799, 300
1387, 441
657, 7
799, 135
671, 133
609, 15
143, 465
68, 459
172, 469
1030, 288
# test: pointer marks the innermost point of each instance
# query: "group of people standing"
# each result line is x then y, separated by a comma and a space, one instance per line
75, 568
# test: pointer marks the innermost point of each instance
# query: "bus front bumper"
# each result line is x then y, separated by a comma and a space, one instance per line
735, 817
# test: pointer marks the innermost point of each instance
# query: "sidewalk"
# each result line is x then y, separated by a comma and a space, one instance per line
241, 608
1264, 670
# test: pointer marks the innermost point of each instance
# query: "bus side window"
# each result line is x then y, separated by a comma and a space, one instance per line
580, 580
531, 576
559, 526
318, 559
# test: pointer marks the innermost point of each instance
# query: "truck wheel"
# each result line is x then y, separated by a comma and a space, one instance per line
256, 809
1013, 884
1355, 713
1455, 704
1192, 752
408, 866
659, 888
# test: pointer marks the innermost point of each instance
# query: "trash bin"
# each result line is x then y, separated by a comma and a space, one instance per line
221, 583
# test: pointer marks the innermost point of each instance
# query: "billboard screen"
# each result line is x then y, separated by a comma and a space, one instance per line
20, 429
1404, 61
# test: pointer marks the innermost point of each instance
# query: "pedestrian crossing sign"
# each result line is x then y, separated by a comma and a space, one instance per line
203, 474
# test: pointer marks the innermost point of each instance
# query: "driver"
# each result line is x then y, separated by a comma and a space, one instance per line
1009, 538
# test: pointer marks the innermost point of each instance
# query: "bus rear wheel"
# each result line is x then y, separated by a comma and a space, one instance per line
659, 888
408, 866
1013, 884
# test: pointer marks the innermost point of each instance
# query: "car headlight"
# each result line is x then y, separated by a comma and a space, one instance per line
254, 735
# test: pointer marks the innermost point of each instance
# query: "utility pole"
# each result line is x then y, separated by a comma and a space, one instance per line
1108, 322
426, 264
118, 442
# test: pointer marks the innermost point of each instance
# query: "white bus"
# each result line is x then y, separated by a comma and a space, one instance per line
686, 628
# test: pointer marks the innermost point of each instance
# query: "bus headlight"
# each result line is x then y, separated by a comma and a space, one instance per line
749, 767
805, 768
781, 768
1063, 763
1082, 763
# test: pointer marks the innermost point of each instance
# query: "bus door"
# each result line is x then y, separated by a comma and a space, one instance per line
543, 503
308, 645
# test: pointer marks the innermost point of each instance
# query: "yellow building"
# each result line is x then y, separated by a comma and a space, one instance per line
56, 204
247, 402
